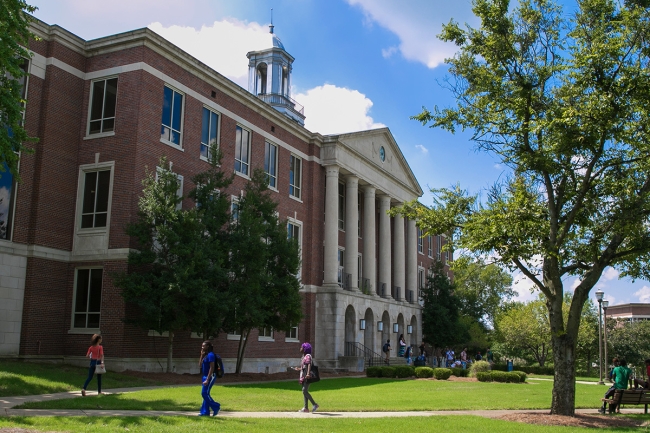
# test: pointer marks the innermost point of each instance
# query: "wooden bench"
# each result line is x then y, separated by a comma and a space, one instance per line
628, 396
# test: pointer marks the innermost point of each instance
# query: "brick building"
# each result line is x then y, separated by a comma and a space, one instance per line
106, 109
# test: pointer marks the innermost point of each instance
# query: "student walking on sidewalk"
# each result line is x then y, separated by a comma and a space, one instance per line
208, 364
305, 369
96, 355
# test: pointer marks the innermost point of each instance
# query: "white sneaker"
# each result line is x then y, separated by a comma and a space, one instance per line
315, 408
304, 410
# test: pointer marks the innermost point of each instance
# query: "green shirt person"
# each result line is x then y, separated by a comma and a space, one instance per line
621, 376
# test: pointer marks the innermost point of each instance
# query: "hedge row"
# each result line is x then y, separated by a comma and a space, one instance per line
460, 372
400, 371
501, 376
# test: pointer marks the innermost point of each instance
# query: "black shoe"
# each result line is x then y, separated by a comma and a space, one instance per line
601, 410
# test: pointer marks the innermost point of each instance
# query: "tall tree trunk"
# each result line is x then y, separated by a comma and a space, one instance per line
243, 340
564, 380
170, 351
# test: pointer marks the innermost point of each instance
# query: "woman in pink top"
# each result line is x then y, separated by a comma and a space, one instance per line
96, 355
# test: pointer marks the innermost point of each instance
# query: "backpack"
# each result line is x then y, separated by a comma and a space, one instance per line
219, 364
385, 348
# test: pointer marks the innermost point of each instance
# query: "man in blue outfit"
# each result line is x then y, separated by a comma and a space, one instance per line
207, 364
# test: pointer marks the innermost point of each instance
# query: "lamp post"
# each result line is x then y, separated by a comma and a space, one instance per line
599, 297
605, 305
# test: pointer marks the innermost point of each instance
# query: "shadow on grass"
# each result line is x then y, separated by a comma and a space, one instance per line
323, 385
113, 402
14, 385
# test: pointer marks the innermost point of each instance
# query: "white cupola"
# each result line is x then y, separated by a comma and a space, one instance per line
269, 78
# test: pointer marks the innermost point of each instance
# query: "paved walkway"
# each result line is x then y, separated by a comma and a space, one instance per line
7, 403
584, 382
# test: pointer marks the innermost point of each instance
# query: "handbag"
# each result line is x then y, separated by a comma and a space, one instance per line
314, 375
100, 368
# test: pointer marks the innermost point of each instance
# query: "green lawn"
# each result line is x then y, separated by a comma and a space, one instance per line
344, 394
29, 378
580, 378
311, 424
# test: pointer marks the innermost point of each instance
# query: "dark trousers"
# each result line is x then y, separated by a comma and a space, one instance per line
610, 392
208, 402
91, 373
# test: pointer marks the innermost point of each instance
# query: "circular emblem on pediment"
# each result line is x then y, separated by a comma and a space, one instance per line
382, 154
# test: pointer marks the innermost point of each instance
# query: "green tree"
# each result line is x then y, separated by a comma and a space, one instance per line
481, 288
629, 340
524, 329
587, 343
264, 262
562, 99
441, 325
166, 273
14, 38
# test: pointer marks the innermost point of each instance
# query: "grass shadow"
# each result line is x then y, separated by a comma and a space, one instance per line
323, 385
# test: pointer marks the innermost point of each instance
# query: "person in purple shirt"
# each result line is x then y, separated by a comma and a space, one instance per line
207, 364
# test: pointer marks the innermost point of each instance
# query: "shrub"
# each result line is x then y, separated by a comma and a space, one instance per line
402, 371
424, 371
479, 366
460, 372
387, 371
373, 372
484, 376
499, 376
442, 373
522, 375
512, 377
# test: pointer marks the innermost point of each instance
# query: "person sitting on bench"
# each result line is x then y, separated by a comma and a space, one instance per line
644, 383
621, 376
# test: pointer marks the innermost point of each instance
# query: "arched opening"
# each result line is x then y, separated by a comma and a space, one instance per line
350, 321
261, 79
369, 332
385, 333
285, 81
415, 339
401, 332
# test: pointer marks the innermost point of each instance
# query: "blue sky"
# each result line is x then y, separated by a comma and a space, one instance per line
359, 64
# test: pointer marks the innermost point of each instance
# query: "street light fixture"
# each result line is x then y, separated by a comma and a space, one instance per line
599, 298
605, 305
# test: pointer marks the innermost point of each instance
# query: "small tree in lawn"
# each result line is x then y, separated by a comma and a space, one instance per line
441, 324
523, 329
561, 98
166, 273
263, 266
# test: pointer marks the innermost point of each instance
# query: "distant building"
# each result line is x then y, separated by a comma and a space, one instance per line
629, 312
105, 109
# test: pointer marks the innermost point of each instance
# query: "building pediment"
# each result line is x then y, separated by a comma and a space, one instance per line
376, 159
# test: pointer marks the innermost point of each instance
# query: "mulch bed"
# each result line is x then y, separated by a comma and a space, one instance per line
579, 420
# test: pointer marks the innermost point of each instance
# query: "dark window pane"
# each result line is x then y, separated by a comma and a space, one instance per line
89, 192
95, 292
267, 157
214, 122
167, 107
81, 303
238, 137
274, 159
95, 127
237, 166
93, 321
103, 184
6, 202
244, 145
108, 125
87, 221
98, 100
100, 220
110, 98
79, 320
205, 127
174, 137
204, 150
177, 108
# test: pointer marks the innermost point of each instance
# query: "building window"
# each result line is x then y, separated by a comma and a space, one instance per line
266, 334
94, 211
292, 334
179, 190
341, 259
271, 164
359, 269
209, 132
438, 246
172, 117
7, 198
88, 299
342, 206
103, 100
420, 241
234, 208
421, 279
430, 246
295, 170
294, 231
242, 150
447, 255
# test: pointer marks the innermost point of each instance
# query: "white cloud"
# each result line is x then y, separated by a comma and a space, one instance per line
525, 288
422, 149
222, 46
643, 293
498, 166
388, 52
331, 110
609, 274
417, 24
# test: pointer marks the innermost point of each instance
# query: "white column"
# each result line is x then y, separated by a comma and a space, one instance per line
399, 257
384, 244
331, 225
351, 229
368, 233
412, 258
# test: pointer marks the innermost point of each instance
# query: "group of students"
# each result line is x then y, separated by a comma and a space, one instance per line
620, 376
404, 350
211, 367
